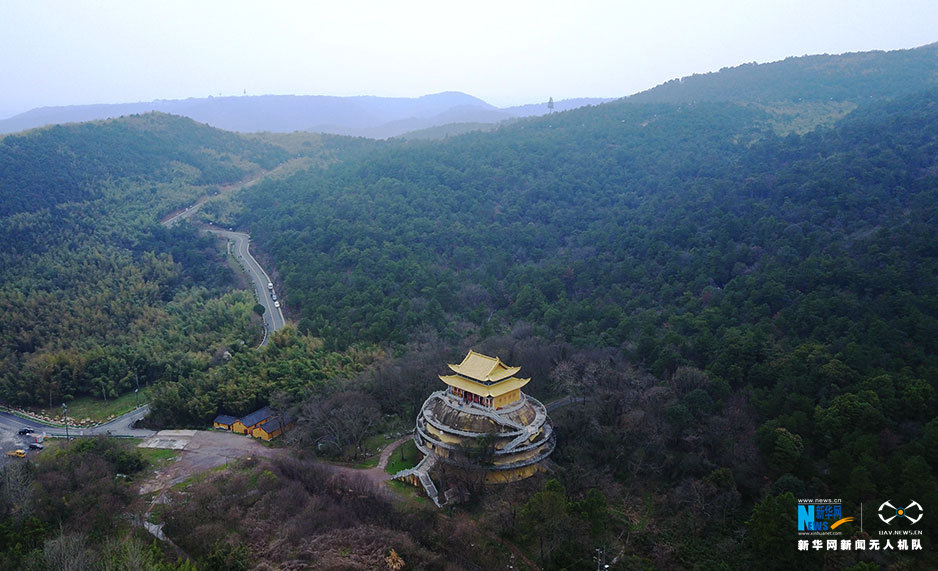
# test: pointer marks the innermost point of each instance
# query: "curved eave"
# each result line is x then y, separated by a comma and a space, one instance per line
495, 390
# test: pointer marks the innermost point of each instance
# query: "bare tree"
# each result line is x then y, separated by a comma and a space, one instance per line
67, 552
341, 421
15, 497
283, 409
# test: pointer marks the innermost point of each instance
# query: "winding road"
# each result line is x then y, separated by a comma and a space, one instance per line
122, 426
188, 211
10, 424
273, 316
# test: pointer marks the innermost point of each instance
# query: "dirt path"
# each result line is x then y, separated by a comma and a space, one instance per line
386, 454
376, 475
204, 450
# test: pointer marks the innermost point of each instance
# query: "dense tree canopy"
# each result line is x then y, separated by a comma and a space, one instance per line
744, 316
795, 273
96, 296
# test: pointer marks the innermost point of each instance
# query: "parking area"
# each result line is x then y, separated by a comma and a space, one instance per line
11, 440
169, 440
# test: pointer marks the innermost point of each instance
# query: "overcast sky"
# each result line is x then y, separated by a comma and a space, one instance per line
507, 52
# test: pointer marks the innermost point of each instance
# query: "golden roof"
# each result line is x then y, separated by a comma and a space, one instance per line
496, 390
483, 368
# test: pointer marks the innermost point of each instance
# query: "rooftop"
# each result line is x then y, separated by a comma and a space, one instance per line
484, 369
483, 390
274, 423
256, 416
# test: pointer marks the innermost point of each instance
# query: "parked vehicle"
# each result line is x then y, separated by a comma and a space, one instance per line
35, 446
270, 285
276, 304
18, 453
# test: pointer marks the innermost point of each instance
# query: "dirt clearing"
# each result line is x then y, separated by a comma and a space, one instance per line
198, 451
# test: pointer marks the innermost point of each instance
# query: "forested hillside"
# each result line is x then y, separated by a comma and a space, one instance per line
71, 163
592, 222
854, 77
801, 93
779, 291
96, 296
738, 280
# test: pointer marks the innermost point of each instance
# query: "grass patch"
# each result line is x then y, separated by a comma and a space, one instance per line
156, 456
406, 490
406, 456
198, 478
99, 410
373, 446
367, 463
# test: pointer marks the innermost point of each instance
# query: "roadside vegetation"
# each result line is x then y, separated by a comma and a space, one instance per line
288, 369
97, 297
99, 410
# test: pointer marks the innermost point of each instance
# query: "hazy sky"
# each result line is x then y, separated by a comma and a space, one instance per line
507, 52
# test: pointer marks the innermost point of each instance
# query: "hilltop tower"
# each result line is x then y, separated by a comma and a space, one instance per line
482, 423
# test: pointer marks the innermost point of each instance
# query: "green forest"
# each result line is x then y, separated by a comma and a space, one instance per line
791, 278
97, 297
735, 274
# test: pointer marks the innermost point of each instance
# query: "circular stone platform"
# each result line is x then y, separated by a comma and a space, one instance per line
507, 443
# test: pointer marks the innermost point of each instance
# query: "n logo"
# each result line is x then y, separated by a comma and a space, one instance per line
805, 517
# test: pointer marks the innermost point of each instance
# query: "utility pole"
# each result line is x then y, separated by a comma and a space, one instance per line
601, 559
65, 409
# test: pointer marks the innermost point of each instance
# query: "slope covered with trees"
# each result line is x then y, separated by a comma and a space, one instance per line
96, 296
778, 292
801, 93
70, 163
855, 77
748, 318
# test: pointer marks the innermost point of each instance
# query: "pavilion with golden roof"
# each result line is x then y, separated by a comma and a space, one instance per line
485, 381
482, 423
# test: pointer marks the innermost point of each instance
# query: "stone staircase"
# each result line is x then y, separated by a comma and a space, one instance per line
530, 430
422, 472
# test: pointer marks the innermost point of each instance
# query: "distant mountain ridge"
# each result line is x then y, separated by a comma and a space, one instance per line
366, 116
836, 82
73, 163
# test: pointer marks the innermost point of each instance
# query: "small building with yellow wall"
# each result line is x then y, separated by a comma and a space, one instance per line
224, 422
273, 428
246, 424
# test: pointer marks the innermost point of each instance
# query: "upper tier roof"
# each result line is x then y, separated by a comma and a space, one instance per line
483, 368
493, 390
